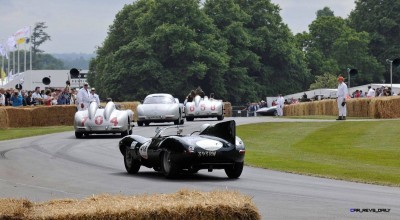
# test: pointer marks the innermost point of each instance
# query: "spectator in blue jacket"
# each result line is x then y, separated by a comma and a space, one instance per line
16, 99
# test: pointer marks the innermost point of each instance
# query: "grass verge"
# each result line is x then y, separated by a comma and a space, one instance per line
13, 133
360, 151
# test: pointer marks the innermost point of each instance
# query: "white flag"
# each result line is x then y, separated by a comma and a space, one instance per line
11, 44
2, 50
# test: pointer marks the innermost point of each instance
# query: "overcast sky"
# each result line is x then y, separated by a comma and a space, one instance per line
78, 26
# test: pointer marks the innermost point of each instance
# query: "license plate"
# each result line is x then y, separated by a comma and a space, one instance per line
155, 117
206, 154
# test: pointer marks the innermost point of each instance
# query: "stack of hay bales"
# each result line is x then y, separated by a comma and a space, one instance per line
53, 115
183, 204
3, 118
227, 109
18, 117
379, 107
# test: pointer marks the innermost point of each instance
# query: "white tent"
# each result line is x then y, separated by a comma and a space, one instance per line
57, 78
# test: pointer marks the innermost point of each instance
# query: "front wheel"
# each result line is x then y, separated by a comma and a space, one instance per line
169, 168
235, 171
140, 123
132, 166
78, 135
221, 117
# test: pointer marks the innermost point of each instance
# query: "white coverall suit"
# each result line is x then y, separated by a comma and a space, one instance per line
341, 97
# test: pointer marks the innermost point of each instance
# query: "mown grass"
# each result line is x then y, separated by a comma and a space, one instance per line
361, 151
13, 133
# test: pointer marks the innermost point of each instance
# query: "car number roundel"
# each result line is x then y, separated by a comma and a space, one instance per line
143, 150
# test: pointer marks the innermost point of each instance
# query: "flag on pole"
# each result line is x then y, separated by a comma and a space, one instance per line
22, 35
2, 50
11, 44
3, 75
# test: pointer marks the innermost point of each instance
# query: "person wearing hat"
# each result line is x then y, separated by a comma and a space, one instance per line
94, 97
16, 98
83, 98
342, 93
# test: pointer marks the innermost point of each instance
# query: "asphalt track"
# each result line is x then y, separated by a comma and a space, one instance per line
59, 166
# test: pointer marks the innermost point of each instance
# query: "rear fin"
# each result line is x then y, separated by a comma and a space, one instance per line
225, 130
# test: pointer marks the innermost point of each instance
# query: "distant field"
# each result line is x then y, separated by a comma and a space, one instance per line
361, 151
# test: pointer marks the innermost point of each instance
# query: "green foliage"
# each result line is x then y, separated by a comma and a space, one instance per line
325, 81
326, 11
380, 19
239, 50
332, 47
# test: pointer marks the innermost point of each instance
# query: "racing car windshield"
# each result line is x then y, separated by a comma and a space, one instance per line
159, 100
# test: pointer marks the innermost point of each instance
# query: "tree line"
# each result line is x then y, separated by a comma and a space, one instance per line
240, 50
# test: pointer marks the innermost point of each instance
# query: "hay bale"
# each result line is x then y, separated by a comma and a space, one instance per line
184, 204
19, 117
3, 118
53, 115
227, 109
14, 208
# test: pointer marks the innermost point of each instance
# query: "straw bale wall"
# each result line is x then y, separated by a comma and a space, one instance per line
380, 107
183, 204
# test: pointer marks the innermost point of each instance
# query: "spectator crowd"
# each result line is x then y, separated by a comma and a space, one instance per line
50, 96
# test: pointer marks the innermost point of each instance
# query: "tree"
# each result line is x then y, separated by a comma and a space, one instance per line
326, 11
325, 81
160, 46
332, 47
380, 19
39, 36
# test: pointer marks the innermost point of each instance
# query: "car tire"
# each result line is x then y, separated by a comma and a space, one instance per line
132, 166
147, 123
169, 168
124, 133
140, 123
182, 121
78, 135
221, 117
189, 118
235, 171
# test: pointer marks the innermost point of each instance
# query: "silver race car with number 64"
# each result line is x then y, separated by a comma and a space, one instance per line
96, 120
210, 147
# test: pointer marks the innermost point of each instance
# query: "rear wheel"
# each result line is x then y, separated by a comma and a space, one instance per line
235, 171
221, 117
170, 169
147, 123
140, 123
78, 135
132, 166
189, 118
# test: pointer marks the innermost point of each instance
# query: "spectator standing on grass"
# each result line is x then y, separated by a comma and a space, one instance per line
342, 93
280, 103
83, 98
94, 97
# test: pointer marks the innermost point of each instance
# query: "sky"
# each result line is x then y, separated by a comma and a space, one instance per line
79, 26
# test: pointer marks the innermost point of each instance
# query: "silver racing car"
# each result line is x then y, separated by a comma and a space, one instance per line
96, 120
204, 108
